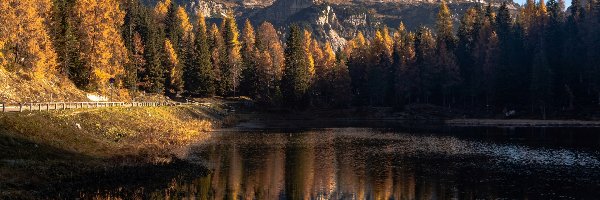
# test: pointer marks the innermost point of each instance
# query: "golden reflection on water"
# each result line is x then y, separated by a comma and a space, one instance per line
366, 164
301, 166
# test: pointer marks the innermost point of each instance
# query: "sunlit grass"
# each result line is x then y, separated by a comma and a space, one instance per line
108, 132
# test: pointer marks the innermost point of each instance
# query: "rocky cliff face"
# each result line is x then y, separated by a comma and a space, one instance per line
335, 20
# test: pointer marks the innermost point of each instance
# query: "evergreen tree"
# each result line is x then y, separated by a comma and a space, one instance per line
174, 28
133, 43
151, 75
541, 81
340, 83
406, 77
449, 75
136, 63
426, 61
468, 33
199, 76
297, 76
66, 43
249, 83
379, 73
357, 50
217, 48
490, 66
231, 67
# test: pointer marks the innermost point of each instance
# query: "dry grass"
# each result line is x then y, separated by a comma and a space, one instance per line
41, 147
109, 132
23, 87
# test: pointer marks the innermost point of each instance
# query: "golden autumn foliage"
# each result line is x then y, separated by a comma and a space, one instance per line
383, 43
232, 65
329, 55
24, 41
102, 48
186, 26
307, 53
267, 39
162, 8
172, 59
358, 41
175, 82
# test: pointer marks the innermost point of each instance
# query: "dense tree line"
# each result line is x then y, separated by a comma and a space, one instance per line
543, 57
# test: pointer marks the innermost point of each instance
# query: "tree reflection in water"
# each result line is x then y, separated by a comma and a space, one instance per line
351, 163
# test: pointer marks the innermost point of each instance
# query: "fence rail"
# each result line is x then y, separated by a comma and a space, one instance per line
47, 106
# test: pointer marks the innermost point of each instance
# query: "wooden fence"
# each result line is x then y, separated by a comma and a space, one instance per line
46, 106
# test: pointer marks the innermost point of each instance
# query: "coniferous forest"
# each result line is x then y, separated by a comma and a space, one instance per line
542, 58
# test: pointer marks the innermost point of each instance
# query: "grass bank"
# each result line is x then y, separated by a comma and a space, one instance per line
41, 148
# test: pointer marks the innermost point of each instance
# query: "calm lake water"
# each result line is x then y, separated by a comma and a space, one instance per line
367, 163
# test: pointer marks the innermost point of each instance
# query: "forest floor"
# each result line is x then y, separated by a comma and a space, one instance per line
43, 149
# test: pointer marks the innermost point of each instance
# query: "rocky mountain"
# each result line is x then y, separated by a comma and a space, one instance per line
335, 20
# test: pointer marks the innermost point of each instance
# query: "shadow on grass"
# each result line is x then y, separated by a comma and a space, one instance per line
32, 171
128, 182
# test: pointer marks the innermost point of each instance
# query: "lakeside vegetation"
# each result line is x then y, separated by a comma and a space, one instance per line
42, 148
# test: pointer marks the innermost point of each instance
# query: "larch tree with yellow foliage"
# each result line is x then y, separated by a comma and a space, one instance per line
161, 9
25, 45
308, 57
174, 80
268, 40
216, 48
102, 49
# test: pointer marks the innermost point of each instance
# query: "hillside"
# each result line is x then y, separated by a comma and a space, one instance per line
41, 150
20, 87
334, 20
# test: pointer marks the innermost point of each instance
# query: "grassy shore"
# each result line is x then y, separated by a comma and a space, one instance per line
41, 148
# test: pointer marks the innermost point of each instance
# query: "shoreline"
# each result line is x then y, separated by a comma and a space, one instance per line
41, 150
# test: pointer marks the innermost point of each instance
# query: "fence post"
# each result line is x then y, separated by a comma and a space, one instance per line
39, 107
20, 107
30, 106
47, 106
3, 107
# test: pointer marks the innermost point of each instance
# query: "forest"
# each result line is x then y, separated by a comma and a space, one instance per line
542, 58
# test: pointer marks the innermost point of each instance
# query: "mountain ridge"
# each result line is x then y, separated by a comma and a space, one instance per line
334, 21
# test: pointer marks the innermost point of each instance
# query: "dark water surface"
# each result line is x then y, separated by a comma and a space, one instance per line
365, 163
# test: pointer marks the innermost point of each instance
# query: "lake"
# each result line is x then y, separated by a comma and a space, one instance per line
379, 163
